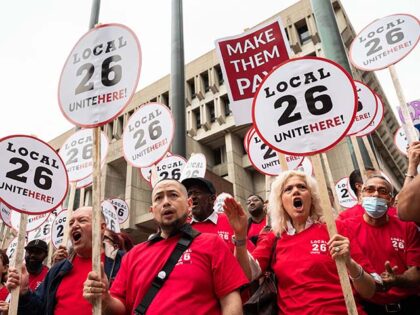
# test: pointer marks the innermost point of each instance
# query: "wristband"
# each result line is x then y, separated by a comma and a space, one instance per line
359, 275
238, 242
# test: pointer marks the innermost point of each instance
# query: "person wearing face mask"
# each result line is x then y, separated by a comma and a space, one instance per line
36, 252
393, 248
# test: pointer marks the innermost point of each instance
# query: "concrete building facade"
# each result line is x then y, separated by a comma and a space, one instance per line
211, 129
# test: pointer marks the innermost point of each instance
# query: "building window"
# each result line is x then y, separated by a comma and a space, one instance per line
303, 32
197, 119
165, 98
191, 87
287, 33
153, 100
225, 105
219, 155
219, 74
205, 77
210, 108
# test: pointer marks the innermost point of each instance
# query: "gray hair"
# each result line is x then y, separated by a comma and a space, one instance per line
278, 214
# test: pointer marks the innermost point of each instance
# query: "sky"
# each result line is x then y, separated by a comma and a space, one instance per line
37, 36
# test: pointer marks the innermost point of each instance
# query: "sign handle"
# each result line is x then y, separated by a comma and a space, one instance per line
50, 253
408, 125
5, 237
330, 181
70, 209
370, 153
359, 157
18, 260
332, 229
283, 162
96, 213
2, 232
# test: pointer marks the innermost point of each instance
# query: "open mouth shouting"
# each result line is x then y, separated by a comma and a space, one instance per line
76, 236
298, 203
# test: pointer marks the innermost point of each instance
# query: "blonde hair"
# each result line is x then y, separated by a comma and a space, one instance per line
278, 214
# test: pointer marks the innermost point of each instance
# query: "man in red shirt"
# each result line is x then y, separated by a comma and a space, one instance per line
257, 220
393, 248
36, 252
205, 279
204, 218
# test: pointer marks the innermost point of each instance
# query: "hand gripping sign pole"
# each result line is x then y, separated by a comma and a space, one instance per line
313, 102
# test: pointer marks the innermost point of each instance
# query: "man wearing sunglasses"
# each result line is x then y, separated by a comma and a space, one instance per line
393, 248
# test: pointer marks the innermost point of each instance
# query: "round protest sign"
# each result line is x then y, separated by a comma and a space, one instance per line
148, 135
100, 75
376, 120
220, 200
111, 217
76, 153
11, 249
121, 207
306, 167
34, 221
311, 103
400, 140
85, 182
247, 139
43, 232
195, 167
57, 229
146, 172
344, 193
384, 42
262, 157
414, 111
366, 108
293, 161
33, 178
168, 168
5, 213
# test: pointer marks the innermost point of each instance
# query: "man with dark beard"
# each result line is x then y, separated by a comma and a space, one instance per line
36, 252
257, 220
205, 279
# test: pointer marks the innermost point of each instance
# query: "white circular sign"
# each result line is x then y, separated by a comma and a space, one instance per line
344, 195
85, 182
11, 249
121, 208
77, 151
169, 168
5, 213
33, 178
196, 167
100, 75
148, 135
247, 139
400, 140
34, 221
262, 157
306, 166
367, 106
384, 42
376, 120
57, 230
294, 161
43, 232
219, 202
311, 103
146, 172
111, 217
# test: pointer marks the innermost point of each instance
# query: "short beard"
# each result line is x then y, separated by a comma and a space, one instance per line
257, 212
173, 227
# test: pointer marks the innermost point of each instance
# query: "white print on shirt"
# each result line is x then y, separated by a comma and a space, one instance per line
398, 243
185, 258
224, 235
318, 247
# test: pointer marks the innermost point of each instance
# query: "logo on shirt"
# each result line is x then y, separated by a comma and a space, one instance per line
398, 243
185, 258
318, 247
224, 235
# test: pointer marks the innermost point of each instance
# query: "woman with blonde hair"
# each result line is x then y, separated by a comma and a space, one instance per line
300, 250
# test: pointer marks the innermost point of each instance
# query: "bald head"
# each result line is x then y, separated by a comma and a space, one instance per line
163, 182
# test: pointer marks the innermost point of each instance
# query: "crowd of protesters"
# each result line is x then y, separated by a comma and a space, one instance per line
201, 261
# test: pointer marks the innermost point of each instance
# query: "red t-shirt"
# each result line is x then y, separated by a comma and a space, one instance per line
205, 272
3, 293
396, 241
35, 280
307, 277
255, 229
222, 228
69, 295
358, 211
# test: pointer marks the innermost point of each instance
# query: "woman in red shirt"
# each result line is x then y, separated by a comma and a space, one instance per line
4, 266
303, 256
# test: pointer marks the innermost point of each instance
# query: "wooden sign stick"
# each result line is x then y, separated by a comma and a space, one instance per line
70, 209
409, 126
96, 213
332, 229
18, 260
372, 156
330, 180
359, 158
5, 236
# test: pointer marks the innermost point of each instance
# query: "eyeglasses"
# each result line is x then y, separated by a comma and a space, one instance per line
382, 191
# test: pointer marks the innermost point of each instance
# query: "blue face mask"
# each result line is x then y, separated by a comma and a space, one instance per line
375, 207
